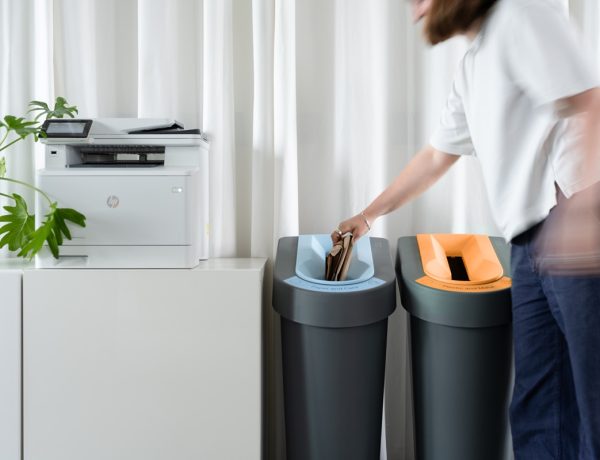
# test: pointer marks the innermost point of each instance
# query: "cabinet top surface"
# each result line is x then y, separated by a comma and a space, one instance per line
232, 264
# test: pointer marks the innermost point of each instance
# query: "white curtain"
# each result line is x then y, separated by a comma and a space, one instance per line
25, 74
312, 107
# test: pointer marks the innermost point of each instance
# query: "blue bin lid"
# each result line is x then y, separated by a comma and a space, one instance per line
313, 250
300, 293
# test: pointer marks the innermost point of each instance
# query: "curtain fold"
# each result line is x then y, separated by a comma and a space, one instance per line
274, 173
362, 41
219, 124
25, 74
95, 56
274, 158
170, 38
263, 219
285, 139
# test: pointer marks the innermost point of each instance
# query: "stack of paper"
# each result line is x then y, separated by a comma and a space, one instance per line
338, 259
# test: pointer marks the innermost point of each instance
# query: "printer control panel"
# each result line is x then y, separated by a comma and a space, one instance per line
66, 128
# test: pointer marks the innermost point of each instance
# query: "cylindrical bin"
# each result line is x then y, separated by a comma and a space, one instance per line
457, 291
333, 338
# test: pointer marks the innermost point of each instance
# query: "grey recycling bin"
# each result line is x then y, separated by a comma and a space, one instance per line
457, 291
333, 338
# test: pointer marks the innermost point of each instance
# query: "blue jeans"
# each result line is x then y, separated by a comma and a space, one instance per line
555, 410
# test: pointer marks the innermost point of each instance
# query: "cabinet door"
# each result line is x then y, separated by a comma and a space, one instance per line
142, 364
10, 364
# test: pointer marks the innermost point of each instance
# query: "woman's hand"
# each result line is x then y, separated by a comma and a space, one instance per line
358, 225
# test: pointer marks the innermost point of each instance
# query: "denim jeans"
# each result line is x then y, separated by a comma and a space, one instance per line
555, 410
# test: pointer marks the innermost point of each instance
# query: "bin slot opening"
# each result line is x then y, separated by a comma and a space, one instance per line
459, 259
457, 268
311, 254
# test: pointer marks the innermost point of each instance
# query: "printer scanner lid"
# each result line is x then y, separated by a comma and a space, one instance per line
59, 130
113, 127
128, 126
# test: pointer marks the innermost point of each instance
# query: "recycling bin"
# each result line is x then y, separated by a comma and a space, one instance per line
333, 337
456, 289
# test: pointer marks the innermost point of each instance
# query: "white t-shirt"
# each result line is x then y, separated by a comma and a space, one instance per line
502, 109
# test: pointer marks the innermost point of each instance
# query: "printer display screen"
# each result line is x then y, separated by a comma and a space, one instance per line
72, 127
66, 128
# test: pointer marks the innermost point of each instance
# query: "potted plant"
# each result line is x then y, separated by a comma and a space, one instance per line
17, 226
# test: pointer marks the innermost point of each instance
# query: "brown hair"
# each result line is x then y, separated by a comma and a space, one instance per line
447, 18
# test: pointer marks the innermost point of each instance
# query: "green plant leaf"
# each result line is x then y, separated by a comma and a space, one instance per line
52, 231
18, 230
20, 234
36, 241
72, 216
41, 104
20, 126
60, 110
19, 224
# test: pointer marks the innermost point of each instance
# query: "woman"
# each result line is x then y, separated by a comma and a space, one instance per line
527, 104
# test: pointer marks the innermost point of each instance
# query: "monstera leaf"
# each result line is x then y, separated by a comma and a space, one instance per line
52, 231
19, 225
20, 126
19, 232
60, 109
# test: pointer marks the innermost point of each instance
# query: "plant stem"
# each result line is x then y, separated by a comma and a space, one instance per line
11, 143
7, 196
25, 184
5, 136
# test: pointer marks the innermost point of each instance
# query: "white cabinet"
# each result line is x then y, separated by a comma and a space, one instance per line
10, 363
143, 364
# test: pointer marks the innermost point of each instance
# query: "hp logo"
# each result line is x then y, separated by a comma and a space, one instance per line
112, 201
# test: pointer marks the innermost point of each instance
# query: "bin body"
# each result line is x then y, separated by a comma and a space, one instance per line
461, 352
333, 357
461, 381
333, 390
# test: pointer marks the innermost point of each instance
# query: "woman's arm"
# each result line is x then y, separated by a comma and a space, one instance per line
427, 166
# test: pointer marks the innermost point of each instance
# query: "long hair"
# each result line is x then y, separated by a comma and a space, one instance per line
447, 18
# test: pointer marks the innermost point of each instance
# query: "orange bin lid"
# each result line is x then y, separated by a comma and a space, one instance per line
479, 257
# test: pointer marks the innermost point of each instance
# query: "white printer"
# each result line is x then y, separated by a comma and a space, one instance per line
142, 185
